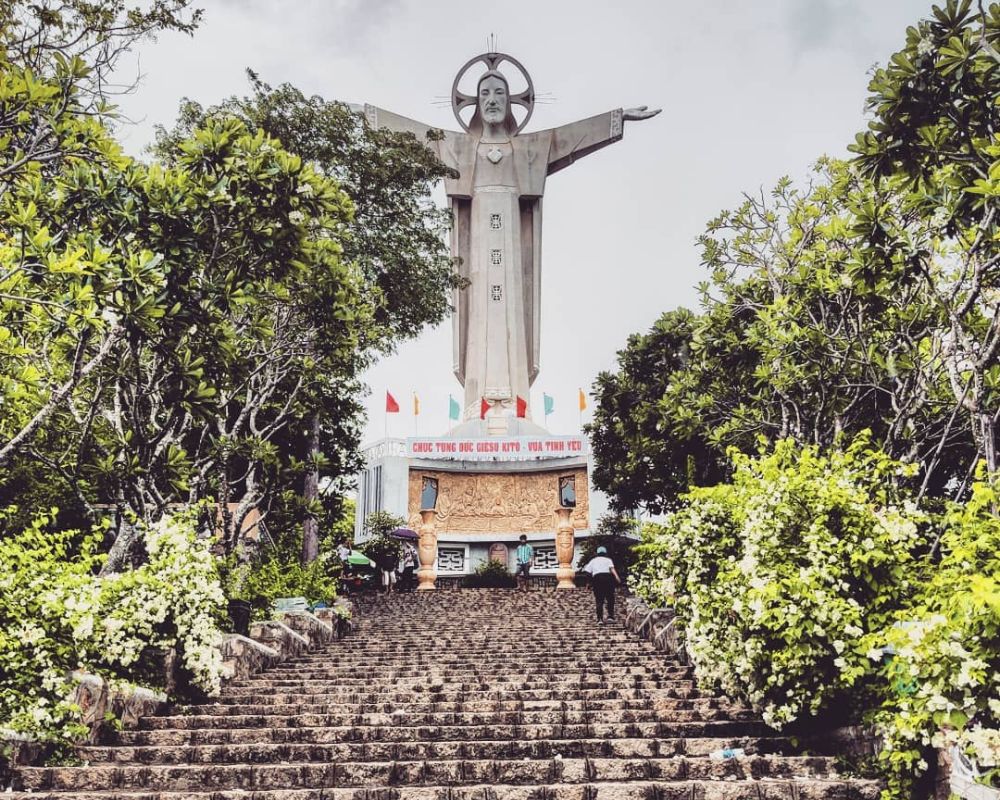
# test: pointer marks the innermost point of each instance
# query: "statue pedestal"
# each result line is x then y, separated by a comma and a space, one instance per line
564, 549
427, 551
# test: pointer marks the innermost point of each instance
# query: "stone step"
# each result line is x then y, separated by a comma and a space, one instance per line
449, 772
853, 789
240, 695
280, 704
335, 662
388, 672
458, 695
439, 719
432, 641
385, 683
411, 733
428, 750
429, 682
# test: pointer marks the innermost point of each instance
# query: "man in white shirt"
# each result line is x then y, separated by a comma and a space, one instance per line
604, 578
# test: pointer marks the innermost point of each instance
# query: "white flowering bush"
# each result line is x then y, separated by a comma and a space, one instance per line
778, 576
941, 660
57, 615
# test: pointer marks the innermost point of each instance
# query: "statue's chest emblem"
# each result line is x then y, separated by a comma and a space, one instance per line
494, 155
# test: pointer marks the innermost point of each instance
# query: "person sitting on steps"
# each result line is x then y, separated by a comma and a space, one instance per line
604, 578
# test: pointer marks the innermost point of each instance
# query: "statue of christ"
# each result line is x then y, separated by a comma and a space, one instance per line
496, 237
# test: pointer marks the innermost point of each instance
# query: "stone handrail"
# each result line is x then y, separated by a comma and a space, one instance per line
658, 625
270, 642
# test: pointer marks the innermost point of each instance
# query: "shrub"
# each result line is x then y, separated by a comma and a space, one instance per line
941, 661
490, 575
778, 576
263, 580
57, 615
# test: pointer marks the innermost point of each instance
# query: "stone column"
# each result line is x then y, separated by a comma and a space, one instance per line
564, 549
427, 550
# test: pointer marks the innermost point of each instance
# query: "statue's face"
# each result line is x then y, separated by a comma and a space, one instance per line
493, 100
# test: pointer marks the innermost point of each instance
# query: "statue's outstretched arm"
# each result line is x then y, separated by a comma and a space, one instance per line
578, 139
380, 118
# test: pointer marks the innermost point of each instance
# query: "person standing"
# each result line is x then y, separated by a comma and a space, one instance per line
409, 562
343, 551
388, 562
604, 578
525, 554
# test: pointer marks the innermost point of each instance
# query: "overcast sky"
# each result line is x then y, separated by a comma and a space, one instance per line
750, 92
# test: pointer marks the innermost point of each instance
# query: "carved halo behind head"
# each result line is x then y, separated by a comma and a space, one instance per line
461, 101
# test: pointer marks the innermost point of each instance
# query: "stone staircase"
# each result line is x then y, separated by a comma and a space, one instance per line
464, 695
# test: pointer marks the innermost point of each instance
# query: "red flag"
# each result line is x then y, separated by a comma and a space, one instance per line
391, 406
483, 408
522, 407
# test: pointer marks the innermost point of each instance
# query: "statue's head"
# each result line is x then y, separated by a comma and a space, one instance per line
493, 104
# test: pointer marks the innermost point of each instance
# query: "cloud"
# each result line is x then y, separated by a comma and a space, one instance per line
347, 26
823, 24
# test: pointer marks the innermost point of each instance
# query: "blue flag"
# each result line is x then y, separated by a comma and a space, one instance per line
550, 404
453, 408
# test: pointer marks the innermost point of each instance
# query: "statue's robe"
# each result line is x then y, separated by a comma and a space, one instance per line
497, 239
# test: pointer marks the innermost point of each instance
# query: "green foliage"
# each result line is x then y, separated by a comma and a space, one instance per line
262, 581
227, 302
648, 452
380, 547
778, 576
58, 616
934, 113
490, 574
808, 329
933, 140
339, 525
403, 260
941, 662
166, 330
402, 267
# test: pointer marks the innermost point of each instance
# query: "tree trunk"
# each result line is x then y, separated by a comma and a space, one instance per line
310, 492
989, 442
120, 554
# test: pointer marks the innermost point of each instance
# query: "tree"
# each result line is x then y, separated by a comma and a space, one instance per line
244, 306
934, 139
395, 238
56, 58
379, 544
197, 328
396, 235
646, 453
807, 331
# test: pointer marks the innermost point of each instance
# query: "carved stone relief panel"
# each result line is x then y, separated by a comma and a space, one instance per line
499, 503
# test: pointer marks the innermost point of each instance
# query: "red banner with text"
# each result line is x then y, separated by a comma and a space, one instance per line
499, 448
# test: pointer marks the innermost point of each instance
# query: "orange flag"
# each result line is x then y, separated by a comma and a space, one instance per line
583, 400
416, 404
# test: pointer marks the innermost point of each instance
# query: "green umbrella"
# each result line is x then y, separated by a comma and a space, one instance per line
359, 559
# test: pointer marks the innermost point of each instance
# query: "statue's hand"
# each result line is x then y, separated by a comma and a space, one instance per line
642, 112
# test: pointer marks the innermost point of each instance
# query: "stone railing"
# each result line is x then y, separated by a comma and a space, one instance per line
658, 625
105, 706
